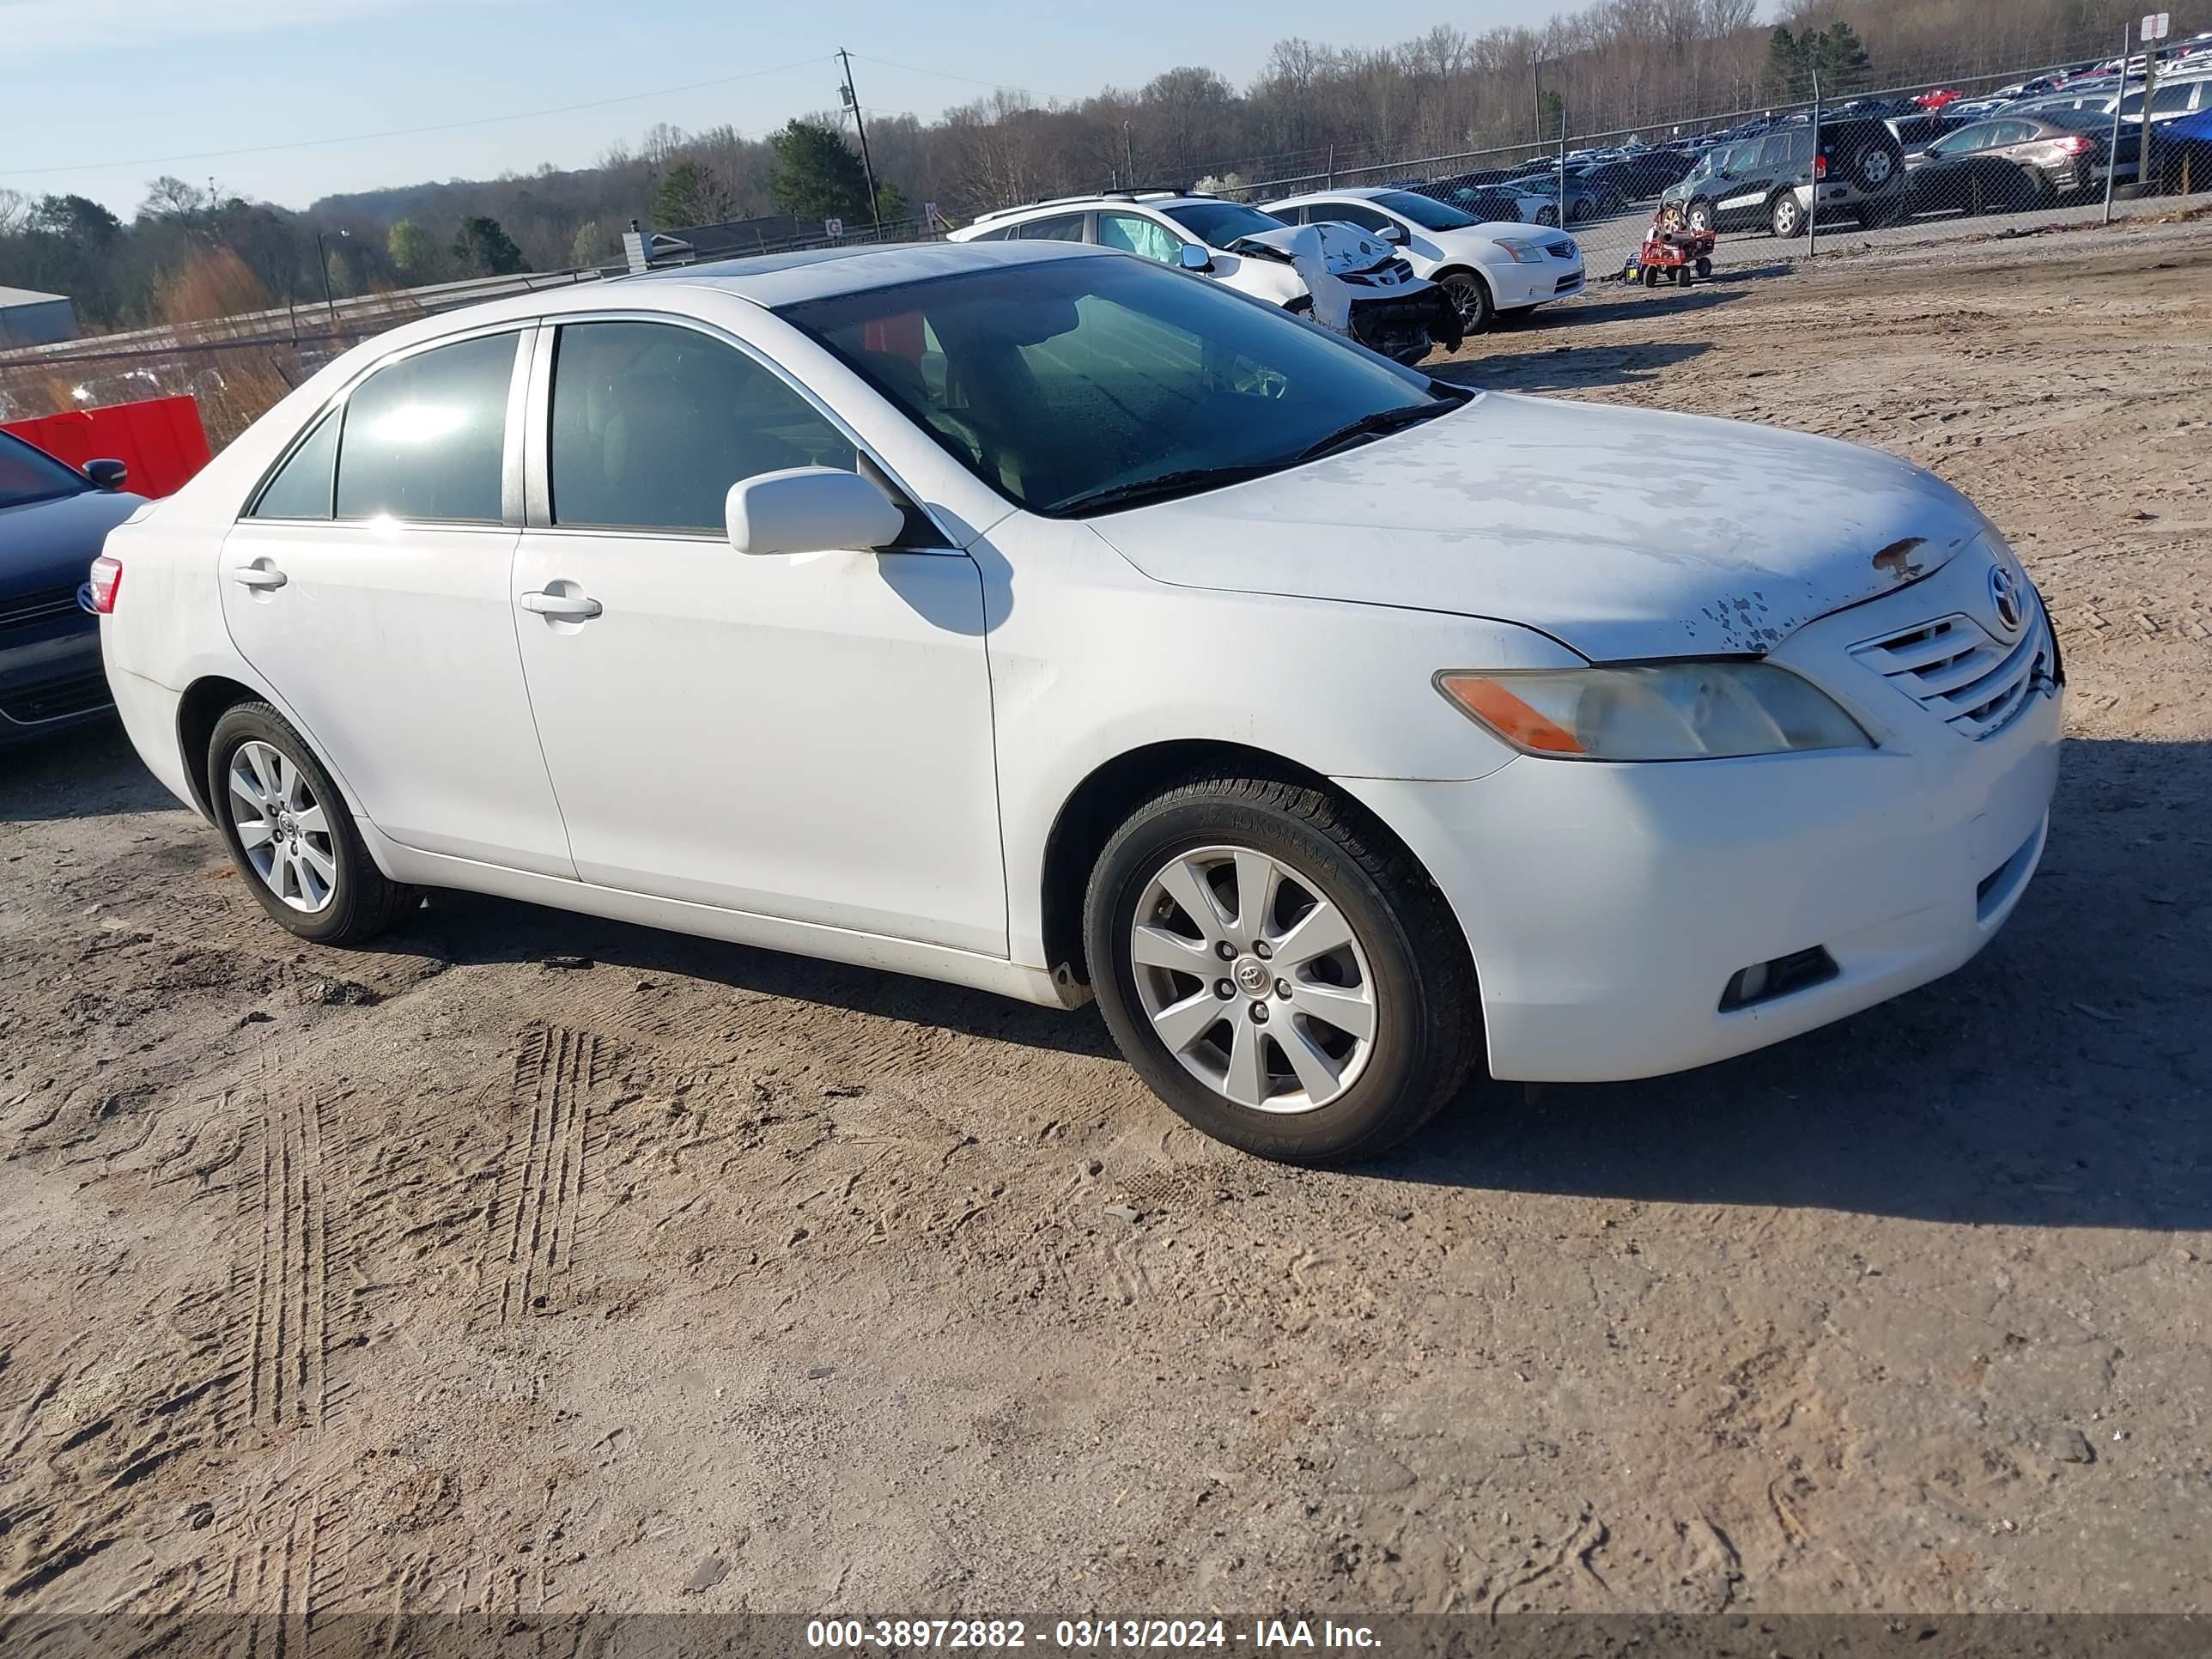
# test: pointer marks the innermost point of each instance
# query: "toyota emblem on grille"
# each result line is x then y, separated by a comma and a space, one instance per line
2005, 599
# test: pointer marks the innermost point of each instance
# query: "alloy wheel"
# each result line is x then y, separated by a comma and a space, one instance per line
284, 829
1253, 979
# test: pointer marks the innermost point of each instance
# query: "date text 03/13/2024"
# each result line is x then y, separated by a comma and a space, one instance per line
1087, 1635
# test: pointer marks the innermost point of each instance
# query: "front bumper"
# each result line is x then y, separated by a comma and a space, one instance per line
1403, 327
1609, 907
1517, 287
49, 685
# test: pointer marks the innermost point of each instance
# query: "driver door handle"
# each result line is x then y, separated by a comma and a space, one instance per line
568, 607
262, 576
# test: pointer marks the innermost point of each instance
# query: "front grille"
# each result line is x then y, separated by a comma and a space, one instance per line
1560, 250
1958, 671
57, 701
29, 610
1567, 284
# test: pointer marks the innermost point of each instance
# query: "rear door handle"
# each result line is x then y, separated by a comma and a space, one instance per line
264, 576
566, 607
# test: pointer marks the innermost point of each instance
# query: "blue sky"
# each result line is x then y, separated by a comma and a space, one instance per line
94, 82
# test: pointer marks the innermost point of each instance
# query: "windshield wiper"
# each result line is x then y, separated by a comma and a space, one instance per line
1184, 481
1375, 425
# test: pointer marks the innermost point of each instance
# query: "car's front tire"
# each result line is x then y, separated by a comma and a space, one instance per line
1278, 969
291, 834
1470, 297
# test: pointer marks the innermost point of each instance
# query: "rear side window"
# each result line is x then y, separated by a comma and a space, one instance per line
1350, 213
653, 423
1060, 227
425, 438
302, 488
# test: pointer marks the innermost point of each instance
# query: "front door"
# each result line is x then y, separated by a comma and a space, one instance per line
806, 736
368, 584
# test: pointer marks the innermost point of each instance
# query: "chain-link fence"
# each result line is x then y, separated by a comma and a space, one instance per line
1746, 186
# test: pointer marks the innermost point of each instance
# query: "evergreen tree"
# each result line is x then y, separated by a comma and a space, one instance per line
485, 250
815, 175
690, 195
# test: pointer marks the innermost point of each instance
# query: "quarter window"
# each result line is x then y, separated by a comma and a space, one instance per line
425, 438
302, 488
652, 424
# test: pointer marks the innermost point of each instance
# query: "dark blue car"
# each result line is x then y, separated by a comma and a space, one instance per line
52, 520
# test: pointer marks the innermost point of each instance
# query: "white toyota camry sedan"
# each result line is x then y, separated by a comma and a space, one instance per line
1033, 618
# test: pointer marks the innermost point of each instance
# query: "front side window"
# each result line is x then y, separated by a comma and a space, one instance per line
425, 438
1133, 233
652, 424
32, 475
1067, 380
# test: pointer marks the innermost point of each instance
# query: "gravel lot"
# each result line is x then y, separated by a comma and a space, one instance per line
532, 1262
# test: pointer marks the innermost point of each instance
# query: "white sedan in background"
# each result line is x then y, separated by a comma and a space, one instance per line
1034, 617
1486, 268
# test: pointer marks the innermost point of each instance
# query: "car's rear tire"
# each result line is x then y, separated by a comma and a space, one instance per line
291, 834
1784, 217
1315, 1055
1470, 297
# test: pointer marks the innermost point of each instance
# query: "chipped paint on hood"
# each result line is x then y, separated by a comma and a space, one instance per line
1622, 533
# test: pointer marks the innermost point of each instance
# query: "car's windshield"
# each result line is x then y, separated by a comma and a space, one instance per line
32, 475
1428, 213
1056, 380
1218, 224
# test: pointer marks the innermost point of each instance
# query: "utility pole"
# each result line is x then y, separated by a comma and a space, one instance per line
867, 166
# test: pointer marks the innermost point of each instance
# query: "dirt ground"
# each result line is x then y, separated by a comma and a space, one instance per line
534, 1262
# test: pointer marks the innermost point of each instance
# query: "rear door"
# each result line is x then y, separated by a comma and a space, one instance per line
367, 584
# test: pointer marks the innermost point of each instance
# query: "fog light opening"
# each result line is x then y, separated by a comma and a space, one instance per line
1763, 982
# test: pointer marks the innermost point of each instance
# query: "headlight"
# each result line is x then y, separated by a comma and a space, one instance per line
1662, 711
1521, 250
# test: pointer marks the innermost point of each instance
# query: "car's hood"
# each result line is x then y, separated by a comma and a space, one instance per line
1345, 250
1621, 532
52, 544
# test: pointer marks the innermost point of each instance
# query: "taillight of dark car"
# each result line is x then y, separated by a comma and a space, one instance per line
106, 583
1820, 167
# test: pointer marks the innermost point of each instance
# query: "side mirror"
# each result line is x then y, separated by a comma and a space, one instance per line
1194, 257
1393, 233
107, 474
809, 509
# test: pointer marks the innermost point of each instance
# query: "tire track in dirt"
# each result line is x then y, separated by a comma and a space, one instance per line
540, 1213
287, 1320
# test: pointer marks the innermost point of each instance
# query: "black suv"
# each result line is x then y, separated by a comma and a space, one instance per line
1775, 179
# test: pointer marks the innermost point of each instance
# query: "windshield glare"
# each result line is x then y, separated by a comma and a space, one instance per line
1054, 381
32, 475
1424, 212
1218, 224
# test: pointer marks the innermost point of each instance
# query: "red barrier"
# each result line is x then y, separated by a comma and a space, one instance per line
160, 439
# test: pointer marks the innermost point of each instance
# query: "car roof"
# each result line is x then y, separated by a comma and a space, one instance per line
1363, 193
780, 279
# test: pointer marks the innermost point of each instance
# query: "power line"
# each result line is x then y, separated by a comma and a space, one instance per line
942, 74
407, 132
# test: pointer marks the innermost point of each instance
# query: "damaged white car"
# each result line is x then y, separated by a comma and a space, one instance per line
1045, 620
1345, 280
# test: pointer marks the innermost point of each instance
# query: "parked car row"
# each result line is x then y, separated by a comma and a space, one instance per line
1423, 272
